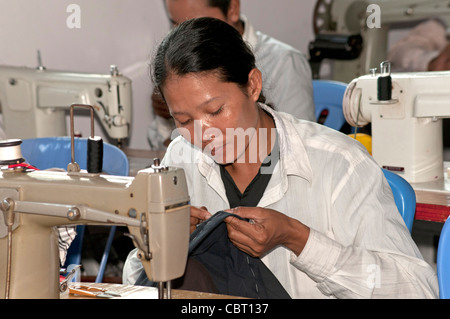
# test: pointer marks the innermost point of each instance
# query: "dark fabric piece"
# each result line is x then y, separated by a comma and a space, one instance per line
229, 271
204, 229
233, 271
196, 278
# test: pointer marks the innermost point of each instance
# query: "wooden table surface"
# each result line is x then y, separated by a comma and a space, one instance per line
140, 292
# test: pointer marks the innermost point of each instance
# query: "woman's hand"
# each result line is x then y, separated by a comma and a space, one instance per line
267, 229
198, 215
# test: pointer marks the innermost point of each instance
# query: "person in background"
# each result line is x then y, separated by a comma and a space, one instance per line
424, 48
285, 70
316, 207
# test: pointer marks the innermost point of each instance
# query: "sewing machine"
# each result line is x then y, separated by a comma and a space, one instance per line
406, 120
34, 101
154, 205
335, 22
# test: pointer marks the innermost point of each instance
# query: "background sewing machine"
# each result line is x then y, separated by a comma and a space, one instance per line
342, 33
406, 122
154, 205
34, 101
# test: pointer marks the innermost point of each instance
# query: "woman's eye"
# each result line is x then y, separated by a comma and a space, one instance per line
184, 123
219, 110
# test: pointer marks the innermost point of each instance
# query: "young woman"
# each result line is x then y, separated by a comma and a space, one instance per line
322, 216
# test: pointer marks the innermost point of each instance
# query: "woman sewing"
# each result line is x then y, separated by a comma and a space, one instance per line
315, 207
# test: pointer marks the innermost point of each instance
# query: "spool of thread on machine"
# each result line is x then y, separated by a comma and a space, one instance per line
384, 82
94, 154
10, 152
384, 88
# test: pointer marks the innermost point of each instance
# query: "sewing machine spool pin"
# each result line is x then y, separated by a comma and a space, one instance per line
94, 147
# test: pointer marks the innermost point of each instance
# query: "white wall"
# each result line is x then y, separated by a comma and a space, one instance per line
125, 33
287, 20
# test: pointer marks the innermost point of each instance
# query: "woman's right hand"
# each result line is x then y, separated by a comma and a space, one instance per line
198, 215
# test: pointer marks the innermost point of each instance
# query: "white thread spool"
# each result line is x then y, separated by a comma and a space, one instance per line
10, 152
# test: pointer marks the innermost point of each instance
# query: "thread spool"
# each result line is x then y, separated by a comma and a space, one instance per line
94, 154
10, 152
384, 92
384, 82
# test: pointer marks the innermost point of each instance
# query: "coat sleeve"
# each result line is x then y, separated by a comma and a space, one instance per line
378, 258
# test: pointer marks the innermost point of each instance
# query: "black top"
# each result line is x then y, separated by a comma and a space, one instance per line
256, 188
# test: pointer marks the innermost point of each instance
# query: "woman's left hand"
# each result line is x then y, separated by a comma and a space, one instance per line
267, 228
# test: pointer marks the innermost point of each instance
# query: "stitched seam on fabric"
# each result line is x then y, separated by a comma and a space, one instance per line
254, 276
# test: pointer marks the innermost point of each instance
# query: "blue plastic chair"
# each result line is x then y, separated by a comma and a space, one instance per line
328, 97
404, 196
55, 152
443, 261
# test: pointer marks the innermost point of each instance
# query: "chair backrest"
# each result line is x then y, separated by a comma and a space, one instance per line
328, 97
443, 261
55, 152
404, 196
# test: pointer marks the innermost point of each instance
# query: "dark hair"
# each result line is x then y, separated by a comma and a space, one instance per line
200, 45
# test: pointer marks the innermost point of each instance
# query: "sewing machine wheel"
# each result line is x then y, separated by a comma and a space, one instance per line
322, 17
352, 23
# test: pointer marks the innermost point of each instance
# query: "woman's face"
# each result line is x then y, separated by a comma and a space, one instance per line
183, 10
219, 117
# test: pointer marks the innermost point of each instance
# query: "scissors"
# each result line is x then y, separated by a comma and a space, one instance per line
92, 291
63, 284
